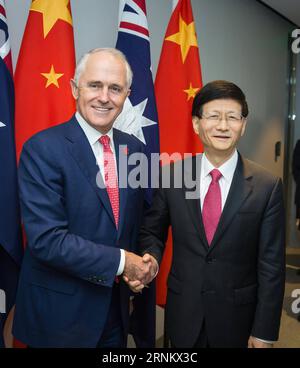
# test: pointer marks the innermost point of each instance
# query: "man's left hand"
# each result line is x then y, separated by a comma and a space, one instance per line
255, 343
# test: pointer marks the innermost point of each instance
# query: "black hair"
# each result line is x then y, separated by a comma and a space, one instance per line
219, 89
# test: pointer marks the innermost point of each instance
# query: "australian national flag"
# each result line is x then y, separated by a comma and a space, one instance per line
139, 118
10, 232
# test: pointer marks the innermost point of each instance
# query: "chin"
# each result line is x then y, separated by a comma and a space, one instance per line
222, 148
101, 127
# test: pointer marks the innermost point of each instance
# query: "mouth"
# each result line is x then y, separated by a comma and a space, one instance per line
102, 110
222, 137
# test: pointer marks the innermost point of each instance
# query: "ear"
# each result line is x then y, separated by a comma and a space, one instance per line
128, 92
196, 122
244, 127
74, 88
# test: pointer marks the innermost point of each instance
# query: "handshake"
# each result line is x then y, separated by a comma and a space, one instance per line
139, 271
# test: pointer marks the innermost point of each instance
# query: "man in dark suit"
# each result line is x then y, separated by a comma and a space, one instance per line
81, 225
226, 283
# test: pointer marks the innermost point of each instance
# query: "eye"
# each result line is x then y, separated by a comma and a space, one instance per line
213, 117
94, 86
115, 89
233, 118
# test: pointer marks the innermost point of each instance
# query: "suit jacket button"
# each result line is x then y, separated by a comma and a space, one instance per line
210, 260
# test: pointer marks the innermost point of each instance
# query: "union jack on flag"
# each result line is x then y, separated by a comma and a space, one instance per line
5, 52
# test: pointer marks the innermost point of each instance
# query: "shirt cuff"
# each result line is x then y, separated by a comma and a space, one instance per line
122, 263
266, 341
157, 270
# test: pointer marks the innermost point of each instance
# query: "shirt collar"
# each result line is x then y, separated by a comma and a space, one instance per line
227, 169
91, 133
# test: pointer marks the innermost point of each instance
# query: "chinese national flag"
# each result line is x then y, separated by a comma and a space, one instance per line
177, 81
45, 66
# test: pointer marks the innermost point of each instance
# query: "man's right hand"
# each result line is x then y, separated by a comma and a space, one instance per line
141, 274
135, 268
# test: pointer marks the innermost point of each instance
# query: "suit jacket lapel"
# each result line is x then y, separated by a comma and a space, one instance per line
83, 154
240, 189
193, 205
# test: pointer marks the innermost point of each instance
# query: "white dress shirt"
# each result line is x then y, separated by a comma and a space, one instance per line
93, 137
227, 170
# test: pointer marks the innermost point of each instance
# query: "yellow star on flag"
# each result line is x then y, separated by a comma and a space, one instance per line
191, 92
52, 77
52, 11
186, 37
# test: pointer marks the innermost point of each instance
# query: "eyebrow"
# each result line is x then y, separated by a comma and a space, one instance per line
99, 82
229, 111
94, 81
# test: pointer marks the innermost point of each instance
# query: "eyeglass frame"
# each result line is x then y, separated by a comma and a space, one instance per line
220, 117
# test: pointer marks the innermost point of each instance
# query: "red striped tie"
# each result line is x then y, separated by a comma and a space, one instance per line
110, 177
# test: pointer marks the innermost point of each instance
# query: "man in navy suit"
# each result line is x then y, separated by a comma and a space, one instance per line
81, 225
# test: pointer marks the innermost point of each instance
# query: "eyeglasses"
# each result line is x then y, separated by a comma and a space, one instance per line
96, 87
231, 117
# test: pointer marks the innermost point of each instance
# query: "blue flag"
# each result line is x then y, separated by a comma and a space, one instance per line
139, 118
10, 231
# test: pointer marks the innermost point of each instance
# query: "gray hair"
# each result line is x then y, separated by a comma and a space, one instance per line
115, 52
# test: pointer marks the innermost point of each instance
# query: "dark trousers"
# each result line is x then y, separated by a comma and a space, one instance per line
202, 340
112, 338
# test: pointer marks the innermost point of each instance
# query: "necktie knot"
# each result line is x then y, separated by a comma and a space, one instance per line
215, 175
105, 140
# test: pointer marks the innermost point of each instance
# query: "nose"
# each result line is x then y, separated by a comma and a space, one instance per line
223, 124
103, 95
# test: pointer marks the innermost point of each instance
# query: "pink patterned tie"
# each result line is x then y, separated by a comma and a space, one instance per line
212, 206
110, 177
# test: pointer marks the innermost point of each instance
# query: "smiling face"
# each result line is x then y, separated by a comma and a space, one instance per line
101, 91
219, 137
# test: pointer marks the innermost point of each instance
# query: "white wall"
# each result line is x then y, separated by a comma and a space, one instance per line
242, 41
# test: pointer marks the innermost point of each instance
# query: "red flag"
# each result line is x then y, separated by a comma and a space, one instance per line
45, 66
177, 81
